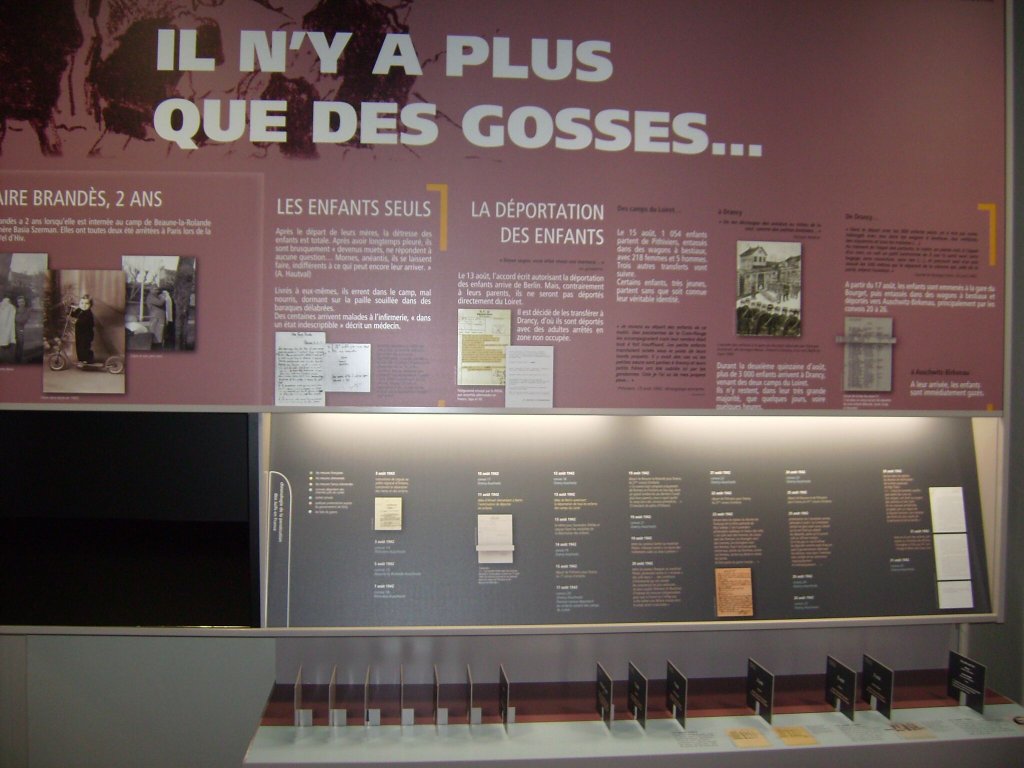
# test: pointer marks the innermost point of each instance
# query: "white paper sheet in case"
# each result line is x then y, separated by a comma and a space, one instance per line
494, 539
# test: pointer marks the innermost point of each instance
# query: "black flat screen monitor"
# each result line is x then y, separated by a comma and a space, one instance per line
128, 519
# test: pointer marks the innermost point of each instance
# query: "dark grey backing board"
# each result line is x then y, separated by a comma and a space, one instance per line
616, 519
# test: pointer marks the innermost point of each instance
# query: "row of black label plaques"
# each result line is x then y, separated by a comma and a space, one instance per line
965, 682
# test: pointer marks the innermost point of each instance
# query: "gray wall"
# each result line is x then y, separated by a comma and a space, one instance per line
1001, 647
130, 701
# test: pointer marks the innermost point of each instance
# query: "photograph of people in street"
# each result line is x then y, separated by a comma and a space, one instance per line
22, 276
160, 302
768, 280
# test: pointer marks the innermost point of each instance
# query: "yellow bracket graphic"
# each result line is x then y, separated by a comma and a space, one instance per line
443, 237
993, 234
993, 242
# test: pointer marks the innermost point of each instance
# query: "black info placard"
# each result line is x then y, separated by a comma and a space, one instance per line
760, 690
879, 683
966, 679
638, 687
841, 687
675, 693
604, 696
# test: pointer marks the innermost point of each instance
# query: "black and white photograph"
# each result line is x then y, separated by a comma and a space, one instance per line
83, 327
160, 303
22, 276
768, 288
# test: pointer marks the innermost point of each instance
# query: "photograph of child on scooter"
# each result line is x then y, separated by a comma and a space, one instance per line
84, 325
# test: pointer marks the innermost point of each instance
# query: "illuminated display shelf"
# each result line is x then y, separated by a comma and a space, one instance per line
557, 721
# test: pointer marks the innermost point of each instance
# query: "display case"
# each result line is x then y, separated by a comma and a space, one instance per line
566, 340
